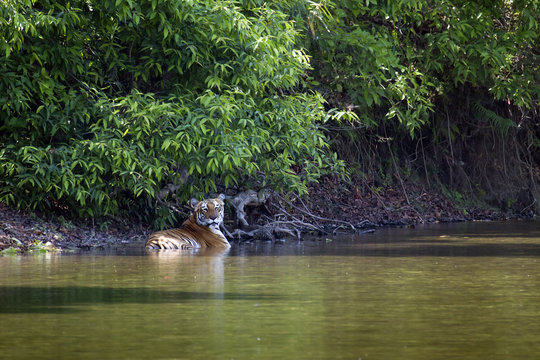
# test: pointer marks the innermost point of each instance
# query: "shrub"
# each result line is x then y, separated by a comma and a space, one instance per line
103, 104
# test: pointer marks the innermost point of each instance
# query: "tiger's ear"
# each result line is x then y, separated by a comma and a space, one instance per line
221, 197
193, 202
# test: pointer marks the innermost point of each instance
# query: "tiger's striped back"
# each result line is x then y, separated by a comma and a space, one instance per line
201, 230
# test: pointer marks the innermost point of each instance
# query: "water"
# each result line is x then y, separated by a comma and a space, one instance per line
462, 291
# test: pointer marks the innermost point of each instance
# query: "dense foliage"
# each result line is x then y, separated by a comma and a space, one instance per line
453, 87
104, 104
112, 107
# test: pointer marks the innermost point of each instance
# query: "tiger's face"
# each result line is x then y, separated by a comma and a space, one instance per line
209, 212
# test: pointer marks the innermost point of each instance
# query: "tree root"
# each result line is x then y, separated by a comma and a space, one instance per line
283, 223
247, 198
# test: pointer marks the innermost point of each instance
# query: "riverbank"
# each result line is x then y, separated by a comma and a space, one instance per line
345, 207
402, 204
23, 232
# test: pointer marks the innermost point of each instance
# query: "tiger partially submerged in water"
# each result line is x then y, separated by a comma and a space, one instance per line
200, 230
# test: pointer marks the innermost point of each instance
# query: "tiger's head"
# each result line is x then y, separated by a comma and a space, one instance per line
209, 212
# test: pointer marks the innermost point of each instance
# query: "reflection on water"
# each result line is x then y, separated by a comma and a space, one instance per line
205, 266
443, 292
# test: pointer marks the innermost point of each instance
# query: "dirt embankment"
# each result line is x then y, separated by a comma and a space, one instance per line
402, 204
28, 232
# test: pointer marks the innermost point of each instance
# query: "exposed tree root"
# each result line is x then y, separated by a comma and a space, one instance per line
287, 219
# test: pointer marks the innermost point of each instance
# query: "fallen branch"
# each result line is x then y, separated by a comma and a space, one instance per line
267, 231
313, 216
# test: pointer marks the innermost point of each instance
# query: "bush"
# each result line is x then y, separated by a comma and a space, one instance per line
103, 104
452, 85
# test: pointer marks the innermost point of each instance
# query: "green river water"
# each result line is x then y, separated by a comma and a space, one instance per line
459, 291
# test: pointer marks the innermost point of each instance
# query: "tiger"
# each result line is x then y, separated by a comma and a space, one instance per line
200, 230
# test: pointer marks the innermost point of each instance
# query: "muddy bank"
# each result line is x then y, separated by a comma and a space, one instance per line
332, 205
22, 232
374, 205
